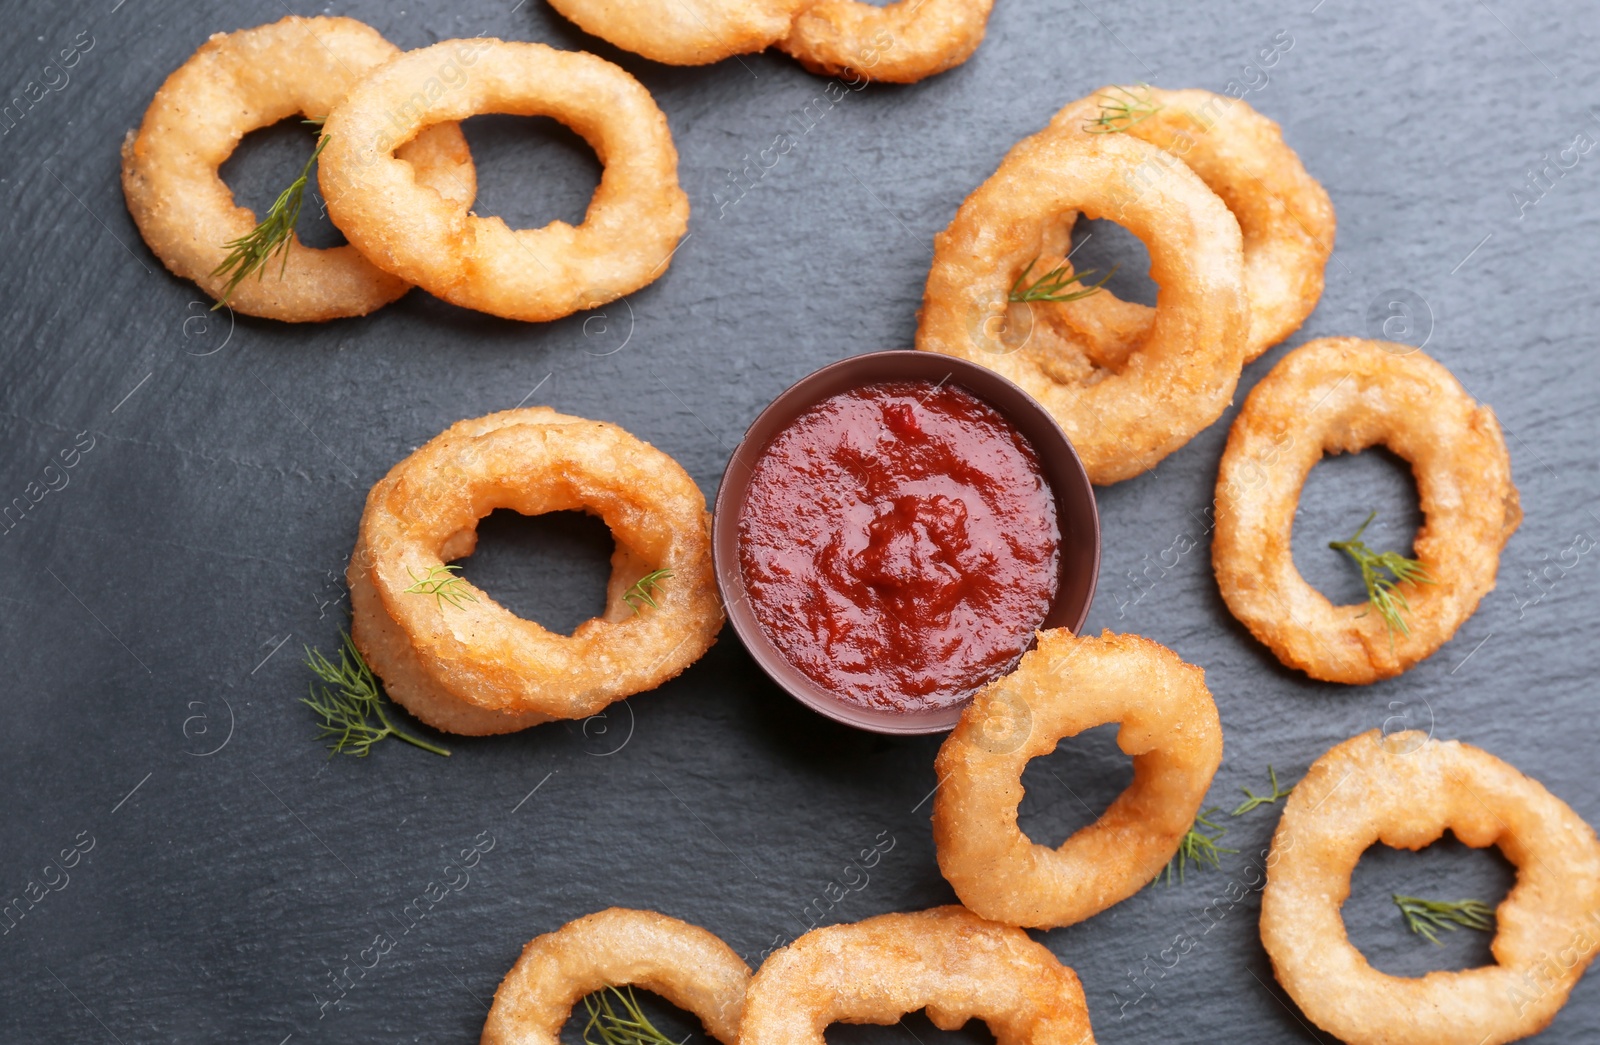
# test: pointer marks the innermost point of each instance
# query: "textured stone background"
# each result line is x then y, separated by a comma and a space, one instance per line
155, 607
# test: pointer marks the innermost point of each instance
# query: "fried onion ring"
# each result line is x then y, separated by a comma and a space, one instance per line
1284, 214
1404, 790
1122, 422
683, 32
237, 83
626, 240
1341, 395
468, 665
902, 42
1066, 685
946, 960
683, 963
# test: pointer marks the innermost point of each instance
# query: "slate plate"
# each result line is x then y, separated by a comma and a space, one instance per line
156, 605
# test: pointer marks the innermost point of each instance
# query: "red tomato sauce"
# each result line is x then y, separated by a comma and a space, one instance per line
900, 545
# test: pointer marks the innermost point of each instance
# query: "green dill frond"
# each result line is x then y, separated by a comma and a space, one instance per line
1052, 285
1252, 800
1381, 573
350, 704
271, 237
644, 590
1199, 846
629, 1027
1122, 108
1426, 916
442, 583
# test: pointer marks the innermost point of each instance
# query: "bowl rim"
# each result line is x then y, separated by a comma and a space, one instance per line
875, 368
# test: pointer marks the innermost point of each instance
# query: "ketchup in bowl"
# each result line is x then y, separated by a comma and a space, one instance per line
892, 531
899, 544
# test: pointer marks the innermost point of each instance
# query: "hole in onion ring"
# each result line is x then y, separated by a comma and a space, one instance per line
1071, 787
532, 170
1447, 870
549, 568
1338, 494
265, 163
673, 1022
914, 1027
1101, 244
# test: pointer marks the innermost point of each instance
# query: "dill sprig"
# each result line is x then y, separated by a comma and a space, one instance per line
1199, 846
1052, 285
1252, 799
271, 236
630, 1027
351, 706
644, 590
1382, 592
442, 583
1425, 916
1122, 108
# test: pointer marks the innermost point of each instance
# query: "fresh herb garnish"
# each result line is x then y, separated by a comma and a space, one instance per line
1122, 108
1052, 285
351, 706
271, 236
442, 583
1252, 799
1381, 591
644, 590
1425, 916
630, 1027
1199, 846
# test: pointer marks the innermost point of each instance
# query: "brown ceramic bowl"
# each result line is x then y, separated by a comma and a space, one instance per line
1075, 513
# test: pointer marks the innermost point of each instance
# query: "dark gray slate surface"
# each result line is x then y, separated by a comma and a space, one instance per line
154, 608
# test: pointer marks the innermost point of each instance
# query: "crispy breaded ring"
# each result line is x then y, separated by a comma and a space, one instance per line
1404, 790
1284, 214
1341, 395
947, 960
634, 221
683, 32
683, 963
901, 42
1066, 685
1122, 422
473, 667
237, 83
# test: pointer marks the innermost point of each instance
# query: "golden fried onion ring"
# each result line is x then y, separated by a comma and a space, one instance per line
1284, 214
946, 960
901, 42
1342, 395
1122, 422
1404, 790
472, 667
683, 963
634, 221
683, 32
237, 83
1066, 685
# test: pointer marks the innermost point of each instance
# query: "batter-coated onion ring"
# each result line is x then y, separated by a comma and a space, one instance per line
237, 83
1122, 422
902, 42
1342, 395
471, 666
1404, 790
1064, 686
683, 32
634, 221
683, 963
946, 960
1284, 214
